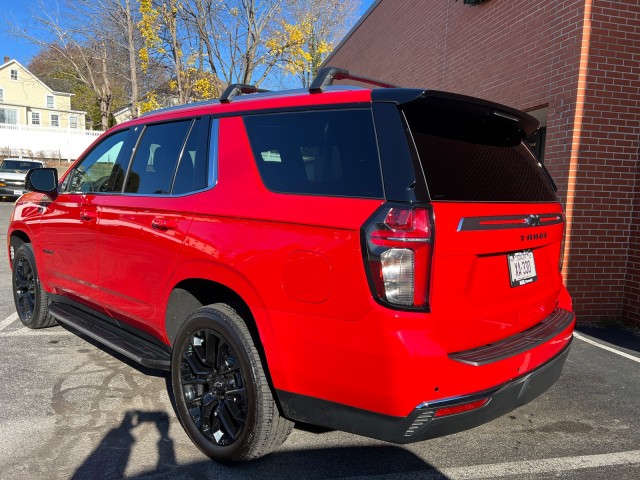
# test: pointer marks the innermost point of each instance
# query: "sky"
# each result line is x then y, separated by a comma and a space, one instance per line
19, 12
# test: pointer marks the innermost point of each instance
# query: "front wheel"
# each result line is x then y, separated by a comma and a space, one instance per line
28, 294
221, 391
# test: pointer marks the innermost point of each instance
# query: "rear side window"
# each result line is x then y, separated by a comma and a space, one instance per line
192, 169
329, 152
474, 158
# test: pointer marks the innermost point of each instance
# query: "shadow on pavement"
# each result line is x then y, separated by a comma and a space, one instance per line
109, 459
614, 335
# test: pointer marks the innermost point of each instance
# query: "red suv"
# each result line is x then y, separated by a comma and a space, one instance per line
384, 262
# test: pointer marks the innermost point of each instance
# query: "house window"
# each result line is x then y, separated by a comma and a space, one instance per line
1, 94
49, 101
73, 121
8, 116
35, 118
14, 74
55, 120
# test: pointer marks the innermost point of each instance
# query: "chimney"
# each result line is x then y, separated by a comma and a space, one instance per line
6, 59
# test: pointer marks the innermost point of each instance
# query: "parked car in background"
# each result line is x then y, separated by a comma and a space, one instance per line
385, 262
12, 174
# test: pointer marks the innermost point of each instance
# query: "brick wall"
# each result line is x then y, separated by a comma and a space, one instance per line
607, 175
578, 59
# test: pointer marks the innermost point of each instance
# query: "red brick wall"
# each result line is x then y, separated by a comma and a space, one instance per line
528, 54
607, 174
631, 306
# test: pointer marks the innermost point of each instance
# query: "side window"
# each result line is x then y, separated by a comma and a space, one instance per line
93, 173
329, 152
156, 158
192, 169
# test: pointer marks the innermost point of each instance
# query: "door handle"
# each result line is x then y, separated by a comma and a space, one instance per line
164, 224
88, 216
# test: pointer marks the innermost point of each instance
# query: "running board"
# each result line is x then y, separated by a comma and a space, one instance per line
131, 346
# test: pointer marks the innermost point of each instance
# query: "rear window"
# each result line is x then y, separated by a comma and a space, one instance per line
467, 157
329, 152
19, 165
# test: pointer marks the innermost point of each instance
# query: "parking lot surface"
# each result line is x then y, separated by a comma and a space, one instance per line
70, 409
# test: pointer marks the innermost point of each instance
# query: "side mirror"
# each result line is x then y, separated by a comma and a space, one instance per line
43, 180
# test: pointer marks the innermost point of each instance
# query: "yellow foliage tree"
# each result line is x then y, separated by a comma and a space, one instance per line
304, 43
149, 103
149, 28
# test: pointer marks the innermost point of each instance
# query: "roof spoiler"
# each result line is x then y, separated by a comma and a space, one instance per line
452, 105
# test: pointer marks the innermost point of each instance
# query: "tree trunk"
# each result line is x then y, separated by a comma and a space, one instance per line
133, 55
106, 97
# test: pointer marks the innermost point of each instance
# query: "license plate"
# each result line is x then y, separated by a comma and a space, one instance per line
17, 192
522, 268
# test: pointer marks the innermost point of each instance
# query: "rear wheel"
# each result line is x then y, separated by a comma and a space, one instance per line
28, 294
221, 391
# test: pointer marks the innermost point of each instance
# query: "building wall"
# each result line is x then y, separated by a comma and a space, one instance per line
607, 209
578, 59
27, 94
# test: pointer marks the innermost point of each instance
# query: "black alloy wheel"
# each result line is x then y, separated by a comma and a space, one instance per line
24, 286
222, 396
29, 296
213, 387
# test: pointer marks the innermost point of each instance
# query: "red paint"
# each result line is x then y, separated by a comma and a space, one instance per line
297, 262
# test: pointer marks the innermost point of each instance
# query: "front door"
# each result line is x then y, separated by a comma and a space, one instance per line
68, 226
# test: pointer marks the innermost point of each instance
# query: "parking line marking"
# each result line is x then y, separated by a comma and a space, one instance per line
548, 465
605, 347
8, 321
28, 332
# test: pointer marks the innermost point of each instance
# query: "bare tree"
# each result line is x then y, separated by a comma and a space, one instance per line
234, 35
80, 39
122, 16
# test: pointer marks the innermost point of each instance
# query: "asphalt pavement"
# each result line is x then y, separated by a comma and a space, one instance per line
69, 409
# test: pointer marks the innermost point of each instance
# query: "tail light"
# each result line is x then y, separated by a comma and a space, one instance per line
398, 246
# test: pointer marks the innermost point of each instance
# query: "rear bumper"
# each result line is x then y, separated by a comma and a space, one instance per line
423, 422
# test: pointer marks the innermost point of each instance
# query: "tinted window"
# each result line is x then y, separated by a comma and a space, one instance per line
467, 158
331, 152
93, 173
19, 165
156, 158
192, 169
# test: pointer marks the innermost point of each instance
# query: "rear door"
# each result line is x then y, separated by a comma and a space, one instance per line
143, 226
498, 223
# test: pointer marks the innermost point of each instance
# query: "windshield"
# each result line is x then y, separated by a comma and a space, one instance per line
22, 166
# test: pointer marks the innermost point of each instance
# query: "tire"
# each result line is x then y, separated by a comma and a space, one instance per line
221, 392
29, 296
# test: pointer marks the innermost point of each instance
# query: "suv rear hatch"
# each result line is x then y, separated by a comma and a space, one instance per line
498, 226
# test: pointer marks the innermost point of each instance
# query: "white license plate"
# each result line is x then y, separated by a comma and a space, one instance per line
17, 192
522, 268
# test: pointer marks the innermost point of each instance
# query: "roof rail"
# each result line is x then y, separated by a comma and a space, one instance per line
327, 75
235, 89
